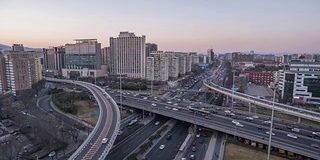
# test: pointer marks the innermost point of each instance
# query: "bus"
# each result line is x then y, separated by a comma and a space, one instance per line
199, 111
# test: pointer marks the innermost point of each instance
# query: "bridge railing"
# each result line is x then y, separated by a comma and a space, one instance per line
278, 106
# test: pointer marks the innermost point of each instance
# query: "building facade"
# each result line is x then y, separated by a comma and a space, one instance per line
17, 47
151, 47
261, 78
301, 82
19, 70
53, 59
128, 55
83, 59
157, 67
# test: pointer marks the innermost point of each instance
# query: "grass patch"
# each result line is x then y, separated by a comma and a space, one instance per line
310, 123
233, 151
87, 112
125, 115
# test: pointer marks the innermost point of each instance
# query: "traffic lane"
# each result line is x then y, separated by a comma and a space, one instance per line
241, 116
217, 146
224, 121
110, 132
180, 132
221, 118
99, 129
201, 148
133, 142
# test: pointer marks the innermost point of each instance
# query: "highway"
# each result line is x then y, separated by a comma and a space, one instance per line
220, 122
311, 115
178, 135
107, 125
201, 148
125, 149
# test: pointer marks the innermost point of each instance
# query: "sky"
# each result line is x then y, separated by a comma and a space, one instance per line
272, 26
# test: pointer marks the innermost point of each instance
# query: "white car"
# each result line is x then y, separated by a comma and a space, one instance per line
162, 147
292, 136
239, 125
157, 123
169, 102
256, 117
198, 135
104, 140
175, 104
175, 109
271, 133
153, 104
227, 111
249, 118
295, 129
235, 122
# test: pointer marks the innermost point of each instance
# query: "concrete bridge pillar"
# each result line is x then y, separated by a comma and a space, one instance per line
250, 105
227, 99
299, 120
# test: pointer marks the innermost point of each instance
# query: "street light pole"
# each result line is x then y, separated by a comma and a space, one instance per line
233, 71
271, 125
120, 95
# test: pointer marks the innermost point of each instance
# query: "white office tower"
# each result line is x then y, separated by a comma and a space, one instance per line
128, 55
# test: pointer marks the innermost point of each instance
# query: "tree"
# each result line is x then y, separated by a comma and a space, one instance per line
26, 98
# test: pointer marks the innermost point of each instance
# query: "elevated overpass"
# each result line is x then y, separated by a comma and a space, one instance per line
107, 126
301, 145
287, 109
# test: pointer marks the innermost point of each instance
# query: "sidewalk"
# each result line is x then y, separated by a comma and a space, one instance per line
223, 146
211, 146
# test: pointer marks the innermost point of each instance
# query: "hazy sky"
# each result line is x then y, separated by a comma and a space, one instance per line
176, 25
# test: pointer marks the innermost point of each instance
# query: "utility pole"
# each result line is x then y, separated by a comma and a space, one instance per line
233, 71
271, 125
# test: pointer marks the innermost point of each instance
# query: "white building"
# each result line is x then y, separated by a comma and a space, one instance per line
301, 83
157, 66
128, 55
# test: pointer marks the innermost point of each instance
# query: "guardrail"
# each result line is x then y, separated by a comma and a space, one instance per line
247, 134
89, 138
265, 103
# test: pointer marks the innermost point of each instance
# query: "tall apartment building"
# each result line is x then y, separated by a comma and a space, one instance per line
53, 59
17, 47
194, 58
173, 65
128, 55
83, 59
151, 47
301, 82
157, 67
239, 57
19, 70
105, 57
210, 54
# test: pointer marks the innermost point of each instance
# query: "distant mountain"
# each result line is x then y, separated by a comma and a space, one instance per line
6, 47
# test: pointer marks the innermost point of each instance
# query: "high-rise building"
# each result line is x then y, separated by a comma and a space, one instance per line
128, 55
105, 57
17, 47
151, 47
83, 59
301, 82
53, 59
19, 70
157, 66
211, 54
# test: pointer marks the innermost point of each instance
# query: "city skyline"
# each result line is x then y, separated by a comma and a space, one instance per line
273, 26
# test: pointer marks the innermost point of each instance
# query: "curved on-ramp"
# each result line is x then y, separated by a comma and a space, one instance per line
107, 125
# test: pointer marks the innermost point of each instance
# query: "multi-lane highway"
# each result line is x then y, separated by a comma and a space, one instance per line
253, 130
311, 115
178, 134
106, 127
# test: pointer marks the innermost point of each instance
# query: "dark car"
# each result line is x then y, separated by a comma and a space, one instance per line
194, 149
169, 137
201, 141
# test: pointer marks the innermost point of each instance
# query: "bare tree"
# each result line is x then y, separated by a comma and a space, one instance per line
26, 99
